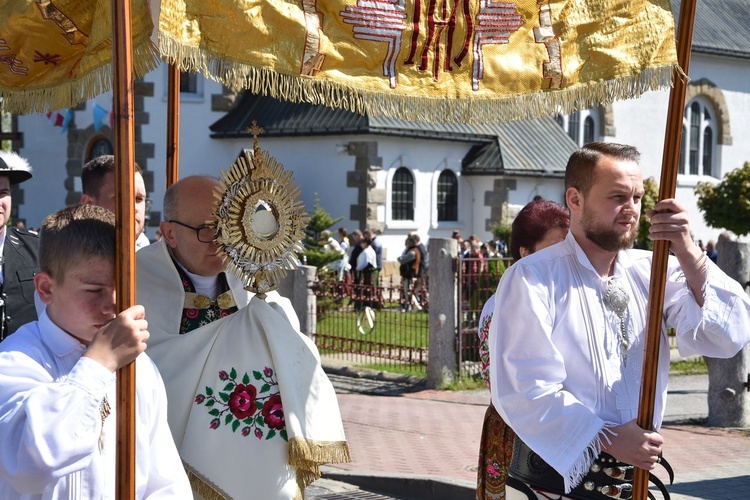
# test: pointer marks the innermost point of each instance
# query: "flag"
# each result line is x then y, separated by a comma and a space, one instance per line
60, 119
430, 60
100, 114
66, 120
55, 118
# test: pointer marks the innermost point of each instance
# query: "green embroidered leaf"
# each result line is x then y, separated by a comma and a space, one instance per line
224, 396
229, 386
233, 374
259, 420
210, 402
209, 391
271, 433
265, 388
215, 412
246, 379
258, 404
235, 425
228, 418
257, 375
282, 433
249, 420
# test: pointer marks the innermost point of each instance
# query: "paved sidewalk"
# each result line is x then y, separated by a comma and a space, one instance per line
404, 446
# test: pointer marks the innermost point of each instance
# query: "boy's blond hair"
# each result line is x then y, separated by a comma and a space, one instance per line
74, 234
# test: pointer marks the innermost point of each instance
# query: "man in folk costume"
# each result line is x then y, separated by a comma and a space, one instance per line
568, 333
19, 250
251, 410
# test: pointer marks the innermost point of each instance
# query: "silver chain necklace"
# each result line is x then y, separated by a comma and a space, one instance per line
616, 299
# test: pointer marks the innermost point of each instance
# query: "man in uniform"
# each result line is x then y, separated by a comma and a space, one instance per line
20, 249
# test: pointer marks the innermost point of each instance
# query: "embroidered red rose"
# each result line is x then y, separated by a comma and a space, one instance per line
215, 423
192, 313
200, 398
273, 413
258, 433
223, 375
242, 401
245, 431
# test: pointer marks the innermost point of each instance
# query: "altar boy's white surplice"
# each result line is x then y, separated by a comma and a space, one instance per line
252, 412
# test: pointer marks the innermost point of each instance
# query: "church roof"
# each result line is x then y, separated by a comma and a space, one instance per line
533, 147
721, 27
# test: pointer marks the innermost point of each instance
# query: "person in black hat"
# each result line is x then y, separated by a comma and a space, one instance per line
19, 250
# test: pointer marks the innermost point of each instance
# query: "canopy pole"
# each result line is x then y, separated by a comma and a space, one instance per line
667, 189
124, 140
173, 125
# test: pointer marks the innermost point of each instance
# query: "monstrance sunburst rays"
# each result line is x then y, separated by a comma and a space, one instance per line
260, 220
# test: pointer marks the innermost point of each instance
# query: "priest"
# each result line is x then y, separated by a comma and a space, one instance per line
251, 410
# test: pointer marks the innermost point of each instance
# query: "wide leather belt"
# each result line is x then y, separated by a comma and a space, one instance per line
607, 478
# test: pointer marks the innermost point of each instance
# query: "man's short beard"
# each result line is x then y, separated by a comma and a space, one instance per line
608, 239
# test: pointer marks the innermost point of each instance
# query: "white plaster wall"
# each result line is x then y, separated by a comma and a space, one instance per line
642, 122
45, 149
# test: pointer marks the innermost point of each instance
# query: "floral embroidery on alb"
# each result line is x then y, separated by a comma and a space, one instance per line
240, 404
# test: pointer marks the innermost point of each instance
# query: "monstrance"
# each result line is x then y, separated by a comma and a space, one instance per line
260, 219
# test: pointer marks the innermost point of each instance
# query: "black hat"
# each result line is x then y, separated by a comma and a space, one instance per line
15, 168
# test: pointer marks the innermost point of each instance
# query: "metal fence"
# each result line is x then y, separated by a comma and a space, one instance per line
477, 281
382, 325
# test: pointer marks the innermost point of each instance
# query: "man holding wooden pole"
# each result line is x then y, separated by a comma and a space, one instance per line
568, 333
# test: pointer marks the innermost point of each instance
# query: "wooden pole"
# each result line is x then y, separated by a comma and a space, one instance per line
173, 125
667, 189
124, 136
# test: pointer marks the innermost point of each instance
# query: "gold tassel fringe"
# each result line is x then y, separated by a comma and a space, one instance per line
73, 92
306, 456
203, 486
265, 81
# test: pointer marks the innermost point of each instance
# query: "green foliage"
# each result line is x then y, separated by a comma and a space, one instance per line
315, 254
650, 197
727, 204
320, 220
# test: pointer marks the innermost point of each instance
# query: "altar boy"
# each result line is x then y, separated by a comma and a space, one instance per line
57, 377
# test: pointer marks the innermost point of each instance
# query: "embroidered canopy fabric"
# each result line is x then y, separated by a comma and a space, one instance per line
447, 60
58, 54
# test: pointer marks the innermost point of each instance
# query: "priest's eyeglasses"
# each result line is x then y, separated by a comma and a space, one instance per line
205, 232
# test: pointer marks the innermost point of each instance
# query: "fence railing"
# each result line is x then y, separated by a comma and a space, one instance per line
380, 325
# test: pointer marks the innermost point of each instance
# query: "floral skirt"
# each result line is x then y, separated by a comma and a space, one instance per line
495, 452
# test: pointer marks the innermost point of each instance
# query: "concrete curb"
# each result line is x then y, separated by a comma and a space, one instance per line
406, 486
356, 372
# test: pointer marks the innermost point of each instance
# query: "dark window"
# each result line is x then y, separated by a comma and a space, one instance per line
188, 82
695, 126
588, 130
447, 196
101, 146
682, 150
402, 195
707, 152
573, 124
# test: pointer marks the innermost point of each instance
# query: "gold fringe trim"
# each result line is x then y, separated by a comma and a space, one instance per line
306, 456
70, 93
203, 486
296, 88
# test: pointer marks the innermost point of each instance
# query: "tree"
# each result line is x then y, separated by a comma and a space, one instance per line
727, 204
320, 220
